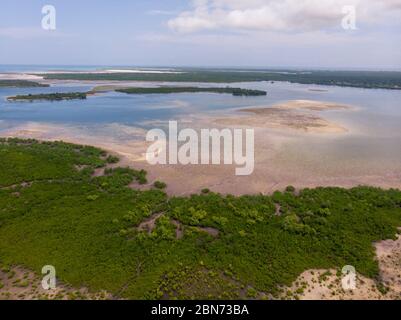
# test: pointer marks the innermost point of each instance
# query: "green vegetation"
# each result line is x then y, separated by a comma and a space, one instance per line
53, 210
290, 189
49, 96
159, 185
112, 159
165, 90
21, 84
359, 79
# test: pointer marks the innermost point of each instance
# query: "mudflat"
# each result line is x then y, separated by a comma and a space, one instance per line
288, 151
296, 115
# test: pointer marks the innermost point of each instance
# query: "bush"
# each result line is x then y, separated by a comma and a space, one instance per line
290, 189
92, 197
112, 159
159, 185
251, 293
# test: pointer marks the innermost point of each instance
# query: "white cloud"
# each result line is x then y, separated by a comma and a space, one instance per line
276, 15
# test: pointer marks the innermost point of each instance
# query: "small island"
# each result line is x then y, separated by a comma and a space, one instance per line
50, 96
165, 90
21, 84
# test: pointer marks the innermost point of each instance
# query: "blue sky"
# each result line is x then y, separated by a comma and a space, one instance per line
263, 33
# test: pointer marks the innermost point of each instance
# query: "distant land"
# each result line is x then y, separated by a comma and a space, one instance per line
165, 90
358, 79
49, 96
135, 90
20, 84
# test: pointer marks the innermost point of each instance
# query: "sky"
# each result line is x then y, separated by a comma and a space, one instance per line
217, 33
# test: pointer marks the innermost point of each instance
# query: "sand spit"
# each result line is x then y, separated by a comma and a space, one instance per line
312, 105
107, 88
19, 76
111, 71
295, 115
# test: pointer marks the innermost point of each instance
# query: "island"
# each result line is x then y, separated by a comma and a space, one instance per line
21, 84
166, 90
50, 96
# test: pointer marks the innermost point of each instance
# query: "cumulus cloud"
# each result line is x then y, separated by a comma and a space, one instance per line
275, 15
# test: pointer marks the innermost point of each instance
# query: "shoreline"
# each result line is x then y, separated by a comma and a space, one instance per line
275, 165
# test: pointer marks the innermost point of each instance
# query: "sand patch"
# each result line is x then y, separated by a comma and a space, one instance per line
179, 232
107, 88
210, 231
149, 224
312, 105
296, 115
19, 76
389, 256
111, 71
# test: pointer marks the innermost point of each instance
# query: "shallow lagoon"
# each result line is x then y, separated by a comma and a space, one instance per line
378, 110
370, 149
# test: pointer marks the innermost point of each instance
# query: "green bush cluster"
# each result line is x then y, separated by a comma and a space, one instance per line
159, 185
21, 84
167, 90
49, 96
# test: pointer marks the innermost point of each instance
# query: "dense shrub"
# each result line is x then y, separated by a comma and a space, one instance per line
202, 246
